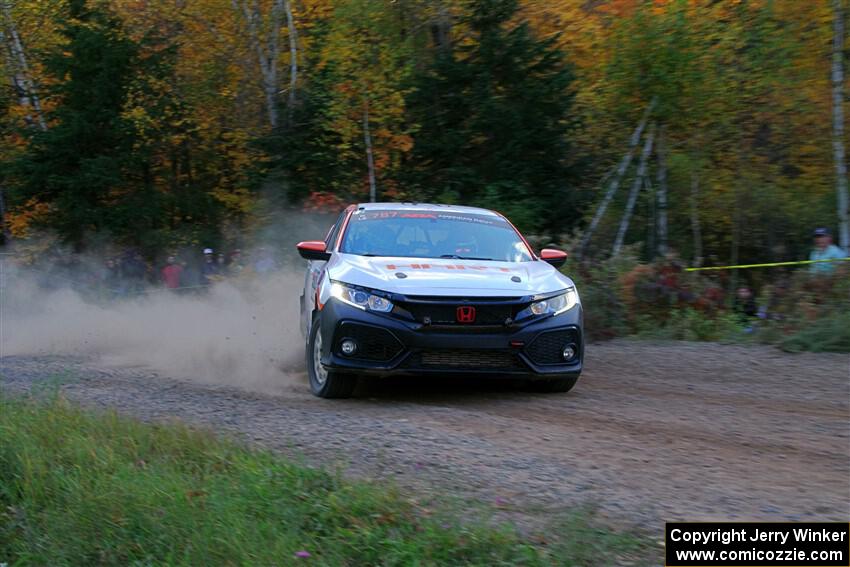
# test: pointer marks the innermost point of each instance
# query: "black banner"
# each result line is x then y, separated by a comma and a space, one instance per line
755, 544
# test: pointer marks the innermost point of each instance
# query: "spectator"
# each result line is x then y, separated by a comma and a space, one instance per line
209, 269
824, 250
171, 273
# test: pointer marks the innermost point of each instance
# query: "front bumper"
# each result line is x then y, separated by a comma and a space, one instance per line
390, 346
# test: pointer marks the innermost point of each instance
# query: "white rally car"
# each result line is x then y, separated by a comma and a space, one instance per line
427, 289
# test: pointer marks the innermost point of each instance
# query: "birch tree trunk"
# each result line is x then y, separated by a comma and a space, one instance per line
25, 88
370, 161
838, 122
695, 224
661, 193
615, 183
266, 48
633, 194
293, 58
21, 77
652, 224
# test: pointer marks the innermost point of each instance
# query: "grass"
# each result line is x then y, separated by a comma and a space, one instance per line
828, 334
691, 325
87, 488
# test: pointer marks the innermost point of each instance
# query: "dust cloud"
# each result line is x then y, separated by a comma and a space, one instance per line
242, 334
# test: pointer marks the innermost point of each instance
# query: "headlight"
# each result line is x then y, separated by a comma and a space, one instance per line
557, 304
360, 298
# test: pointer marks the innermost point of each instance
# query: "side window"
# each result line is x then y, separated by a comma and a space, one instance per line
332, 234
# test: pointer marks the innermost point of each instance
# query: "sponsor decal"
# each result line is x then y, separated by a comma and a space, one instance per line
393, 267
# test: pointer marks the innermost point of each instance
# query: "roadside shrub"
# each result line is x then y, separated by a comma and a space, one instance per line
605, 311
660, 300
800, 297
689, 324
830, 334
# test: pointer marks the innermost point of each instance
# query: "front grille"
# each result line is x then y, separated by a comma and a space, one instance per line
373, 343
496, 311
547, 347
465, 359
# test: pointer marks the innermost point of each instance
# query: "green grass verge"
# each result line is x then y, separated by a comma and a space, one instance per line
828, 334
88, 488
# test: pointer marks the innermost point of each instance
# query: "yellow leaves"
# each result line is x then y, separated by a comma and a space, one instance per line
238, 200
369, 60
20, 220
138, 116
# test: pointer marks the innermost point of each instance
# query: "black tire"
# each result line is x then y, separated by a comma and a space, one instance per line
552, 386
334, 384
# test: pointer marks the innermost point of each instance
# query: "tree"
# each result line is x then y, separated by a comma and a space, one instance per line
263, 35
639, 181
617, 174
77, 163
19, 69
116, 157
474, 101
350, 129
838, 122
494, 116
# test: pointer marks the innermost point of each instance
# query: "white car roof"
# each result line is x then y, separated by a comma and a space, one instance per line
425, 206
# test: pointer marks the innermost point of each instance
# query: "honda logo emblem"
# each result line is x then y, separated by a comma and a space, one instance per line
466, 314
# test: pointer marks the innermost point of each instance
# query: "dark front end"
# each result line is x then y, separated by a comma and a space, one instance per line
422, 335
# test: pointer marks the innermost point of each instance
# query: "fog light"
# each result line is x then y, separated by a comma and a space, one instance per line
569, 352
348, 347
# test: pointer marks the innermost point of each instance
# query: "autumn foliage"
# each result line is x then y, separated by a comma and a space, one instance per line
170, 123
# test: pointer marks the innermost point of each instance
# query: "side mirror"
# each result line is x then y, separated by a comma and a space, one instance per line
314, 250
554, 257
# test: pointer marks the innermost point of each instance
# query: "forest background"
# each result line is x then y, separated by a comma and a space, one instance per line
694, 132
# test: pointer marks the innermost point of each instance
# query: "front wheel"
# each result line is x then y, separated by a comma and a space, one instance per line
553, 385
323, 382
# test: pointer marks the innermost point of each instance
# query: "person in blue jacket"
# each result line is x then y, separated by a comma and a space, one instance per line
825, 250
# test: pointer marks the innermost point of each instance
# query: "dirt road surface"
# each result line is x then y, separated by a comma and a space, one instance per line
653, 432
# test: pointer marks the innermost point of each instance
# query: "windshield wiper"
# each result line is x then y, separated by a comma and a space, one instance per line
456, 257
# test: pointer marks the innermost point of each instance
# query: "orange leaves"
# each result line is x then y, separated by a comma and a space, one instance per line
21, 220
324, 202
369, 61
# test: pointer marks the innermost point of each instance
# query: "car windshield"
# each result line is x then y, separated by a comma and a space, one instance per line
433, 234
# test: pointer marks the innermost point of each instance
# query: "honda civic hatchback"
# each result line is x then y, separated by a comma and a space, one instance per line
419, 289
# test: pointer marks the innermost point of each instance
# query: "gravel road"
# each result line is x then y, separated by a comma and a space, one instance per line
653, 432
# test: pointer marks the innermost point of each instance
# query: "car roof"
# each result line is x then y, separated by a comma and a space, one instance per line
424, 206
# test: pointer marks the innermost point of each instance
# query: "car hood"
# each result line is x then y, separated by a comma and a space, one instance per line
429, 276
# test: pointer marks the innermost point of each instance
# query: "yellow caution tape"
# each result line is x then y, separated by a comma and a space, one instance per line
771, 265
